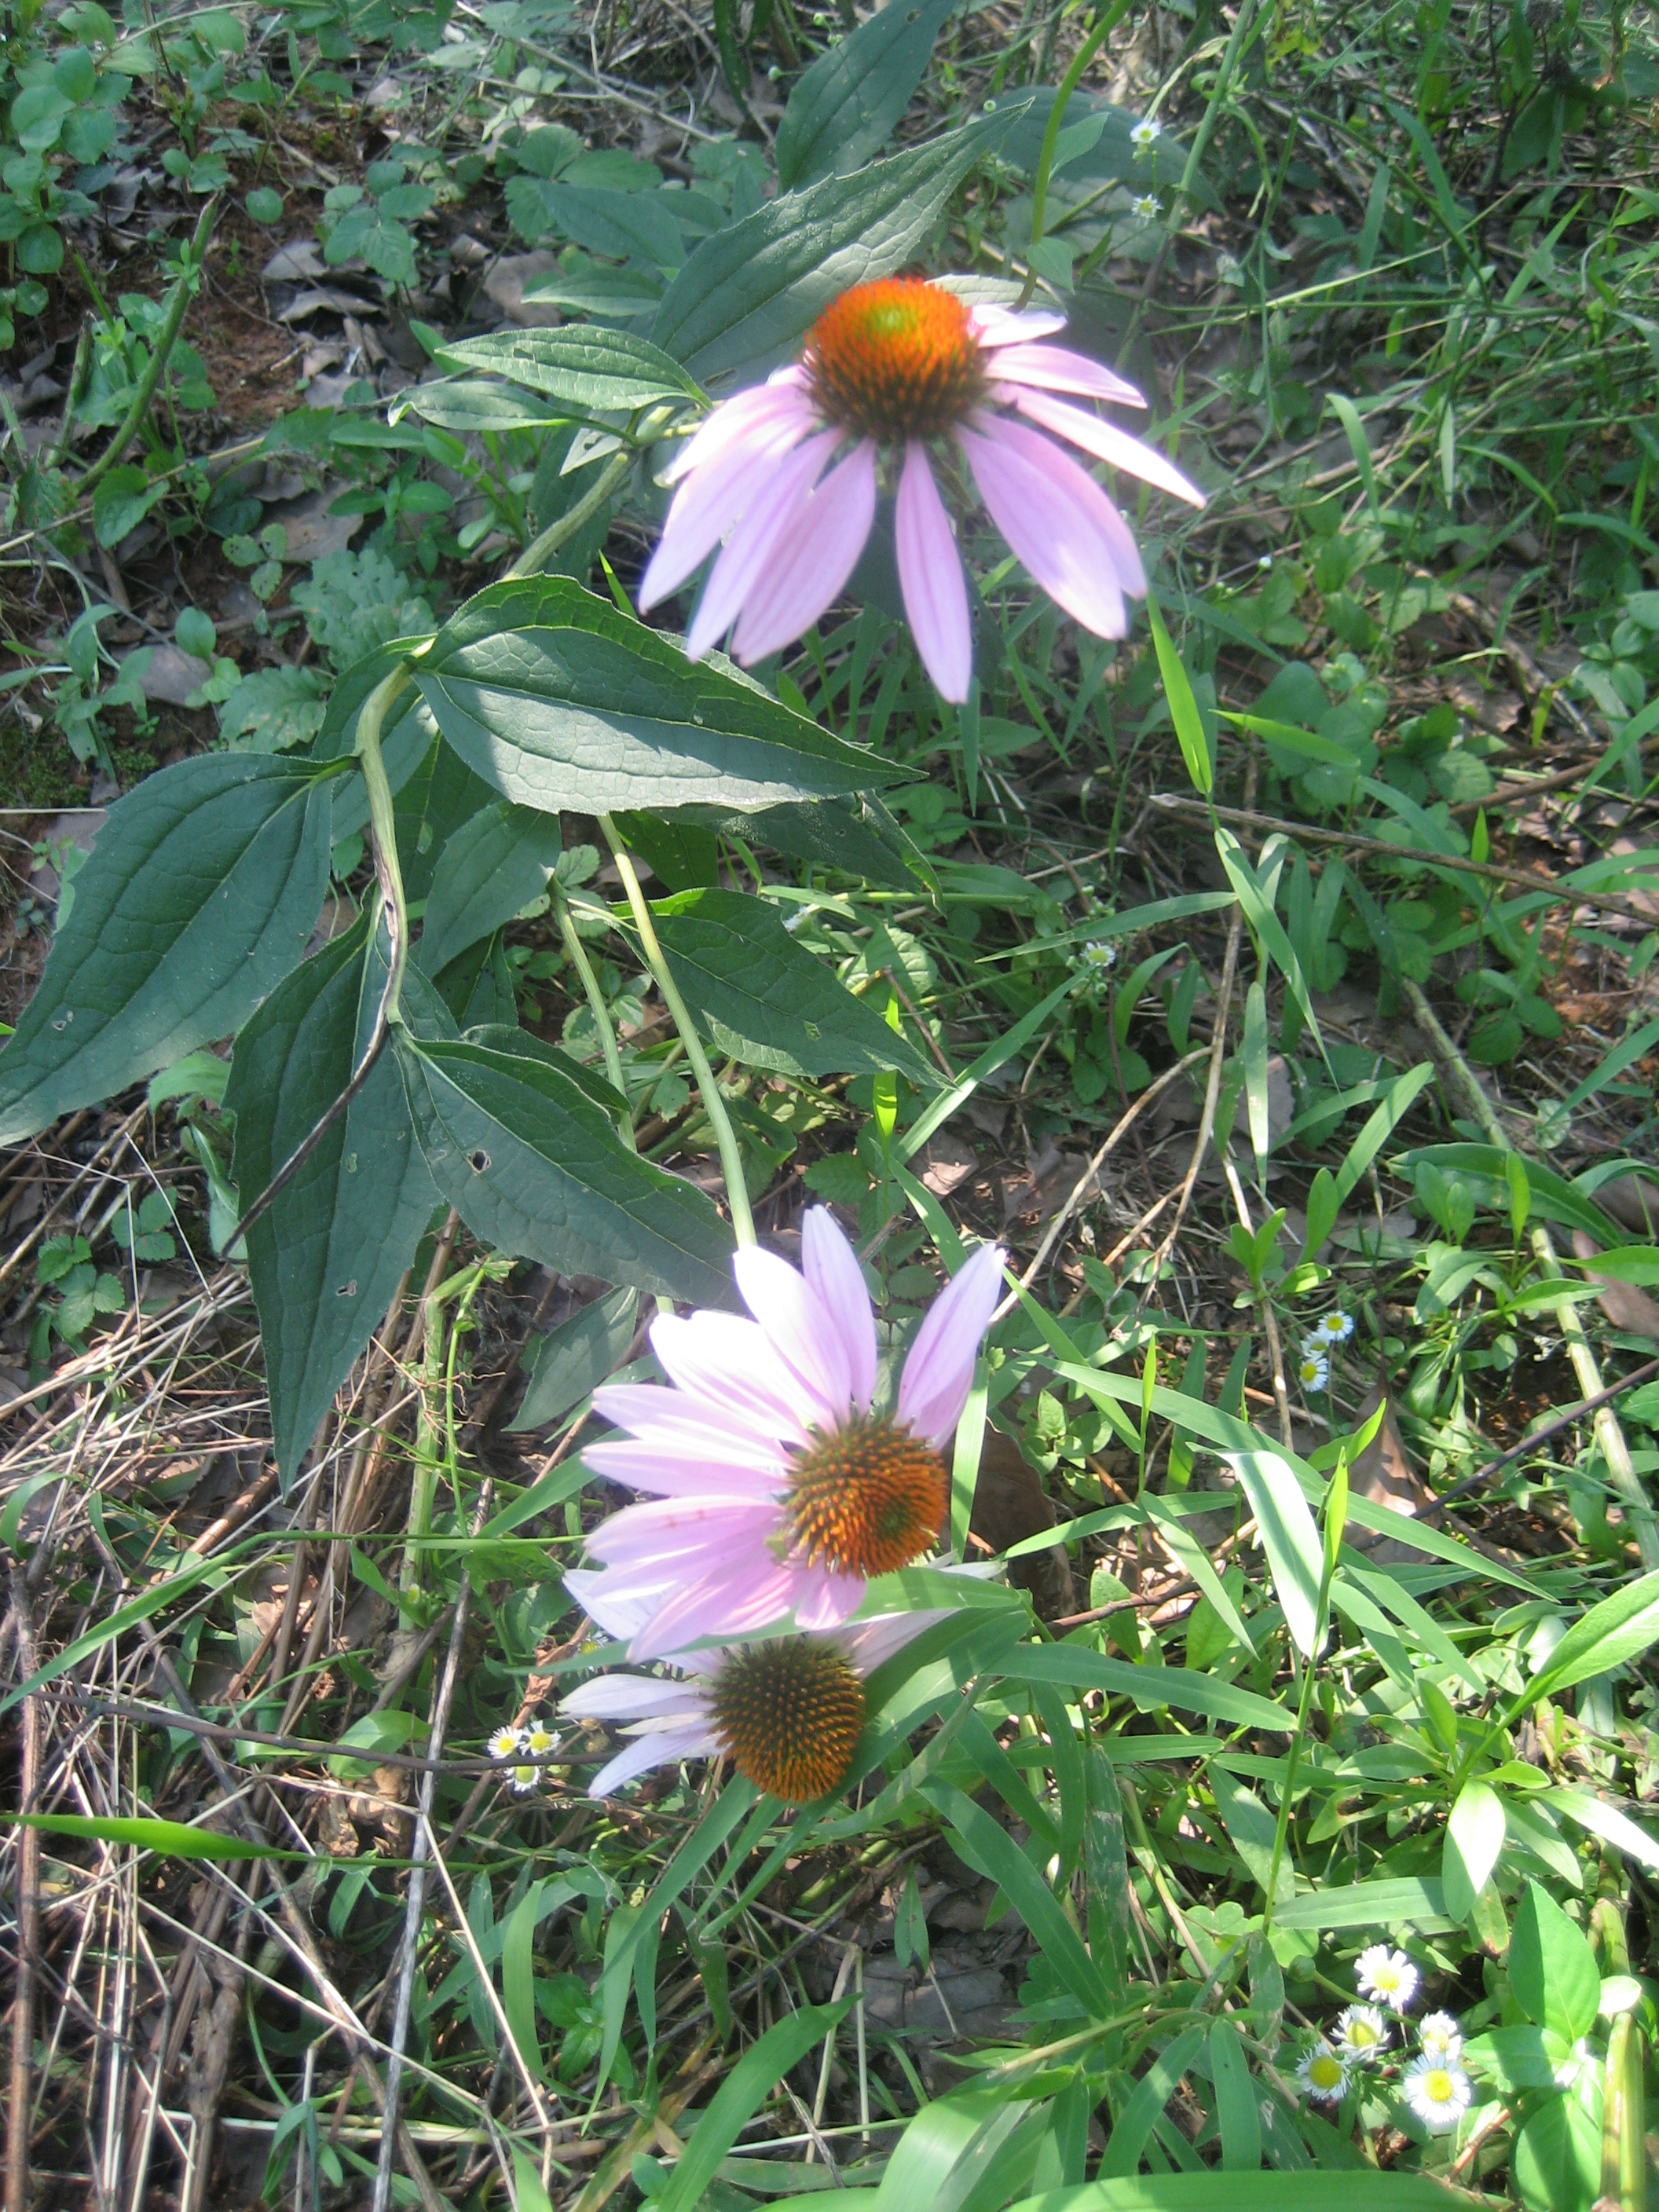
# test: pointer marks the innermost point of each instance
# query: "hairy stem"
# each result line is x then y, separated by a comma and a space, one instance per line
719, 1121
184, 292
531, 561
597, 1007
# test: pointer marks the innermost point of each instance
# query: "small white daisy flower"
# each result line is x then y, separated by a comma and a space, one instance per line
540, 1742
1098, 952
1336, 1327
1323, 2073
1148, 129
1439, 2093
1388, 1976
1363, 2033
1313, 1370
525, 1780
506, 1743
1442, 2038
1145, 205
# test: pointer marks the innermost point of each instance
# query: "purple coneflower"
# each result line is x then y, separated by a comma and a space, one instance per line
901, 367
787, 1713
778, 1490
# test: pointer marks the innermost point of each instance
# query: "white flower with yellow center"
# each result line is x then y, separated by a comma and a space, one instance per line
1145, 206
506, 1743
1388, 1976
1323, 2073
1146, 133
1336, 1328
1363, 2033
1437, 2092
1441, 2037
1313, 1370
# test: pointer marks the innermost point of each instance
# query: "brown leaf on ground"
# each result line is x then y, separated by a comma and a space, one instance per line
947, 1162
1010, 1504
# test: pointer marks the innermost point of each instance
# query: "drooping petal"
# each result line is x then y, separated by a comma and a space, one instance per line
1108, 443
930, 575
733, 1599
712, 500
632, 1698
811, 558
830, 1267
645, 1752
938, 1372
739, 418
996, 326
753, 543
660, 1469
824, 1600
618, 1616
728, 1365
801, 1328
689, 1423
670, 1529
869, 1643
1056, 368
1056, 517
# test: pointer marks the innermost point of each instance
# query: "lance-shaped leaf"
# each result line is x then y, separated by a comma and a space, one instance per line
768, 1001
491, 867
563, 702
751, 293
534, 1165
843, 109
196, 899
592, 372
858, 836
328, 1252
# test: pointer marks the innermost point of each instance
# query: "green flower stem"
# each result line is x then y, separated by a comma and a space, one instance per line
531, 561
725, 1139
1068, 84
601, 1012
184, 292
1456, 1071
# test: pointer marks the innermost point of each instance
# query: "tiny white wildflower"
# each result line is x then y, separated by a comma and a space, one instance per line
540, 1742
1442, 2038
525, 1780
1314, 1369
1148, 129
1439, 2093
1264, 561
1388, 1976
1098, 952
1336, 1327
1323, 2073
1363, 2033
1145, 205
506, 1743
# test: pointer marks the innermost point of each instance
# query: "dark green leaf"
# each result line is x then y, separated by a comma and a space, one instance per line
768, 1001
535, 1166
432, 805
590, 372
750, 293
843, 109
576, 1358
1482, 1170
196, 900
1558, 2159
476, 403
563, 701
327, 1254
625, 226
491, 867
121, 502
857, 836
740, 2096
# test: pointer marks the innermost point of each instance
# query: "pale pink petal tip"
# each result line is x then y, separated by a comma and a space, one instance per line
831, 1268
938, 1372
810, 558
930, 576
800, 1328
1107, 443
1057, 520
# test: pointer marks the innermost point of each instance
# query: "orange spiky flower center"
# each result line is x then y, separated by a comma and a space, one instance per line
896, 359
864, 1498
789, 1714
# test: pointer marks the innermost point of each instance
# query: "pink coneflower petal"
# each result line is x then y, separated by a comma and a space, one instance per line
1107, 443
754, 542
735, 1601
694, 1422
742, 417
812, 558
930, 575
713, 501
629, 1697
938, 1372
1054, 515
644, 1537
1054, 368
831, 1268
823, 1600
730, 1363
801, 1329
645, 1752
666, 1473
995, 326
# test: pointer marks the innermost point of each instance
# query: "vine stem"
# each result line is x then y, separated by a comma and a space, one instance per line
1068, 84
597, 1007
726, 1137
183, 292
1457, 1073
529, 562
383, 833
